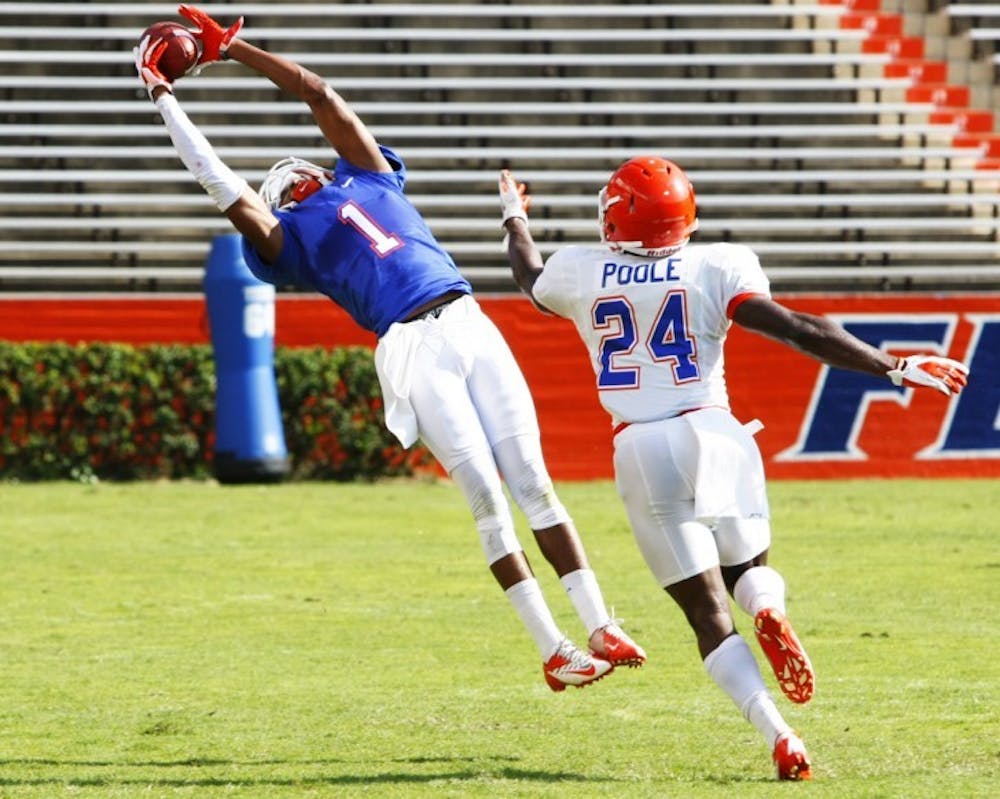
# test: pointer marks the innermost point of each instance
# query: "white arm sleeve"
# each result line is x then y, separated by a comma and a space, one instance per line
221, 183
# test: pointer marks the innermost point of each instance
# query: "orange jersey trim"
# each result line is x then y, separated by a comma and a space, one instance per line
739, 299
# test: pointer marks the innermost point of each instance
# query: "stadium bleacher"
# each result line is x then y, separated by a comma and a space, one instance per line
825, 134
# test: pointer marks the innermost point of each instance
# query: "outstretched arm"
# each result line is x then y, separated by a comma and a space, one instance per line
830, 343
522, 253
231, 194
341, 127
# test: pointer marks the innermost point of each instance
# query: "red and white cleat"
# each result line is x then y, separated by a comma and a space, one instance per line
787, 655
791, 758
572, 666
613, 644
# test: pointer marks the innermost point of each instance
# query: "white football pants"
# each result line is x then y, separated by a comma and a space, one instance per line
473, 409
693, 488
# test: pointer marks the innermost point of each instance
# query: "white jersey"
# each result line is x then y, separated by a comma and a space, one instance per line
654, 329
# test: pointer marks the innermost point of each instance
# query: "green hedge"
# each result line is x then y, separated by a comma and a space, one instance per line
331, 407
117, 412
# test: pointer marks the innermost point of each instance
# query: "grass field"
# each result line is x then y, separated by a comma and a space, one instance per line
192, 640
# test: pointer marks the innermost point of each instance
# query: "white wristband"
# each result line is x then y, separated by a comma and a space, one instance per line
513, 212
221, 183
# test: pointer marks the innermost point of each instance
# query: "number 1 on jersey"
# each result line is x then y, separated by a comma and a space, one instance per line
383, 243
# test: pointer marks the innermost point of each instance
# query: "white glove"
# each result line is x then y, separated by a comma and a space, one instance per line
147, 64
514, 202
932, 371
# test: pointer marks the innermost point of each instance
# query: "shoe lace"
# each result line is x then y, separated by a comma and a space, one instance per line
575, 657
613, 621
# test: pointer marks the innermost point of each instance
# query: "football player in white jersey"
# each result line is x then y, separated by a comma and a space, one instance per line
653, 311
347, 230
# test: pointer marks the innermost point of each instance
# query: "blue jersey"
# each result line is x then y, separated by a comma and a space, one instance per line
364, 245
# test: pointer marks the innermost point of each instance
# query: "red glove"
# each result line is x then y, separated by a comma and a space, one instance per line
947, 376
147, 64
214, 40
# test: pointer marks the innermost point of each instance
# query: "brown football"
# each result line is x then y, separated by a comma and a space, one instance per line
182, 48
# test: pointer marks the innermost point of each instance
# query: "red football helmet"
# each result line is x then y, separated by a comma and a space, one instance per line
648, 207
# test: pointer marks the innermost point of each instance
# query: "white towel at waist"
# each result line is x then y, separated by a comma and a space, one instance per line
394, 365
730, 476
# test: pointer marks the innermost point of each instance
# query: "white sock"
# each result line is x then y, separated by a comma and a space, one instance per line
765, 716
734, 669
526, 597
585, 594
758, 588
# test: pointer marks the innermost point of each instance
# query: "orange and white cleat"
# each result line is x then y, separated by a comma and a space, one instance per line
572, 666
791, 758
613, 644
787, 655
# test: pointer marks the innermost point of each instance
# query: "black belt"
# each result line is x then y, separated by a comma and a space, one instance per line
435, 311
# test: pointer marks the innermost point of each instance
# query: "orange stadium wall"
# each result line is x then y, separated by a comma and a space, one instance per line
819, 423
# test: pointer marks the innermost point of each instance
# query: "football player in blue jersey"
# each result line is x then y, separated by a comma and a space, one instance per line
447, 375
